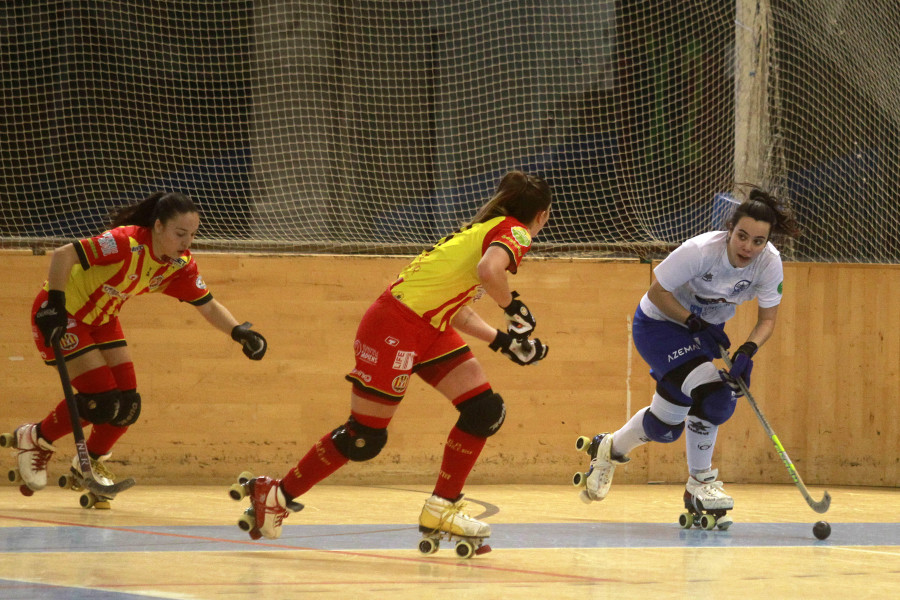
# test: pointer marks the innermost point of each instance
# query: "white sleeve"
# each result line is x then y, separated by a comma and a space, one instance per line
683, 264
770, 285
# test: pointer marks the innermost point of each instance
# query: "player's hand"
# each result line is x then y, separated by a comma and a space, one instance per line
519, 320
741, 367
254, 344
521, 352
51, 318
708, 335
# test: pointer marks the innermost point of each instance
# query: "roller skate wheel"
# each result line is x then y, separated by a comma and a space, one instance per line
87, 500
14, 476
686, 520
68, 482
237, 491
244, 477
246, 522
707, 522
579, 480
583, 443
464, 549
7, 440
26, 491
428, 546
724, 523
102, 505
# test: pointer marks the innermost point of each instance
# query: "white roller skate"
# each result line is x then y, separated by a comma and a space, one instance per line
34, 453
444, 519
706, 502
598, 478
268, 506
74, 480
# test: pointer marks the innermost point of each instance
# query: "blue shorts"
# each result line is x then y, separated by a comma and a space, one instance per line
664, 345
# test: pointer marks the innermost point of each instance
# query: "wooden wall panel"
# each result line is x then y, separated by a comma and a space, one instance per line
828, 380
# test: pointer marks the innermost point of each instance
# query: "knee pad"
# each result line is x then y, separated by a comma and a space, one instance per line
358, 442
660, 431
98, 408
129, 409
481, 415
713, 402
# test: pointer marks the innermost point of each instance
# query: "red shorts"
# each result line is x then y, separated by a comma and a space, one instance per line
392, 342
79, 338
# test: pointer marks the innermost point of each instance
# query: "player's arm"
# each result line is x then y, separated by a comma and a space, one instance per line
52, 319
492, 274
742, 359
253, 343
765, 325
665, 301
61, 263
467, 321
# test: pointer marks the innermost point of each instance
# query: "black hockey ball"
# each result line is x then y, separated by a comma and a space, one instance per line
822, 530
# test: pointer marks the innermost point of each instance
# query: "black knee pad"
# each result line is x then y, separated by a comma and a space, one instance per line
358, 442
129, 409
713, 402
98, 408
481, 415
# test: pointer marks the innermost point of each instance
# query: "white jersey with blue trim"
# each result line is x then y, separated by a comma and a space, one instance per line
702, 279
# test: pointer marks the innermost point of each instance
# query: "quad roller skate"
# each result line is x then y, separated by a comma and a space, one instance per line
597, 479
30, 473
268, 506
706, 502
74, 480
443, 519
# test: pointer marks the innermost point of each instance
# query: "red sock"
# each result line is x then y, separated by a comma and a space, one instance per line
57, 423
322, 460
460, 453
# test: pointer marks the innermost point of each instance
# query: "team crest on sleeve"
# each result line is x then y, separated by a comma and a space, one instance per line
521, 236
201, 285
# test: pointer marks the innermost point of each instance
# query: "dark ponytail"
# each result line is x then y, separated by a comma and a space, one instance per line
160, 206
518, 195
762, 206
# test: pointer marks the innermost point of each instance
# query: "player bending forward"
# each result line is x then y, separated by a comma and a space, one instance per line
145, 251
413, 328
678, 328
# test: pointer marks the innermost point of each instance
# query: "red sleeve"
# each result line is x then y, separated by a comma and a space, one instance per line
187, 285
108, 248
513, 237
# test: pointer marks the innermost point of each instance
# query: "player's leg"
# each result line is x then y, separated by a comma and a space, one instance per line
461, 379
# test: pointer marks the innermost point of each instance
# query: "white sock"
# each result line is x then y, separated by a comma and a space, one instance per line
700, 441
631, 435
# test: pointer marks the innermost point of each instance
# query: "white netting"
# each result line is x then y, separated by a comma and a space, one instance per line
378, 126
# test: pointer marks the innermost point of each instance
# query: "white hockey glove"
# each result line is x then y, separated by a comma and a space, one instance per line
519, 320
521, 352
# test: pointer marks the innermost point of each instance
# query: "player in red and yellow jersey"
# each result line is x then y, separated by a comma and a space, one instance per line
145, 251
414, 327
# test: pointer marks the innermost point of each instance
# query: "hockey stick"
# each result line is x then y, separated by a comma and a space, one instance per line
84, 459
822, 505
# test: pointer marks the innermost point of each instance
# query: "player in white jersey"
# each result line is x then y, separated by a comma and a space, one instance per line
678, 329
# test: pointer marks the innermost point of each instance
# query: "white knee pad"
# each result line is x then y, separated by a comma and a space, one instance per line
667, 412
704, 373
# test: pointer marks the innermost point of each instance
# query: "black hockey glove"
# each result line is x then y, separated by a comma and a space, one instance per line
709, 336
51, 318
521, 352
519, 320
741, 367
254, 344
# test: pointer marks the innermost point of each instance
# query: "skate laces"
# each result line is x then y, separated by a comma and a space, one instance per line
39, 458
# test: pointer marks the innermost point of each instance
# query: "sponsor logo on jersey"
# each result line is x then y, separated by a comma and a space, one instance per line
404, 360
399, 383
780, 287
391, 341
740, 286
107, 244
133, 276
365, 353
707, 277
138, 248
155, 282
201, 285
708, 301
521, 235
111, 291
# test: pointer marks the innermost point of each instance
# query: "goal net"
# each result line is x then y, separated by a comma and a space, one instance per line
372, 126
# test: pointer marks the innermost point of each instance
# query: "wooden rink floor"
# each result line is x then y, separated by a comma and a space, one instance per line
361, 542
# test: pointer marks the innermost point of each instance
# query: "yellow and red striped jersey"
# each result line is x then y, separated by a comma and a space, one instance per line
119, 264
444, 278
